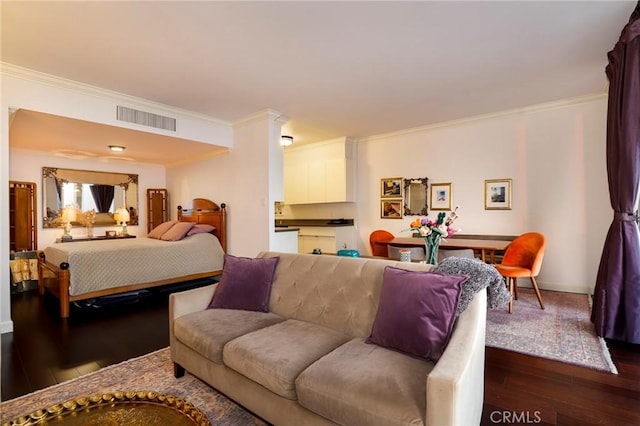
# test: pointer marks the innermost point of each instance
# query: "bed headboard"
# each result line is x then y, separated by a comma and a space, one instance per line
207, 212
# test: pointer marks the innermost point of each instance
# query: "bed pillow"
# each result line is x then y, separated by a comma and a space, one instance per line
416, 312
245, 284
177, 232
161, 229
201, 228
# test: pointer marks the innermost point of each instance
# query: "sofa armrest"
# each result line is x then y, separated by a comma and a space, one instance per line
186, 302
455, 386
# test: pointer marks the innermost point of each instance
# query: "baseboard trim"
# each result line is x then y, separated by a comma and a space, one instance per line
6, 327
581, 289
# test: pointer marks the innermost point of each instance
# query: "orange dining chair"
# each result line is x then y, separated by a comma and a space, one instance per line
380, 235
523, 258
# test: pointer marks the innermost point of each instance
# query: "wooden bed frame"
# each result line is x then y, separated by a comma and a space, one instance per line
56, 278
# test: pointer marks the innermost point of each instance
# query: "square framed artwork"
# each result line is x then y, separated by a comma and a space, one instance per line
497, 194
391, 187
391, 209
441, 196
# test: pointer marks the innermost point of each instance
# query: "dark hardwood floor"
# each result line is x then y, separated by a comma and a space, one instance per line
44, 350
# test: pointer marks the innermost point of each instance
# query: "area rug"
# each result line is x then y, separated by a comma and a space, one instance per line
562, 331
152, 372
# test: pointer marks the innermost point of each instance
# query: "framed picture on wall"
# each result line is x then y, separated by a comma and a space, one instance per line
391, 187
441, 196
497, 194
391, 209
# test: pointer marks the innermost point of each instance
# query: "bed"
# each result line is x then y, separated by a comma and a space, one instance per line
89, 269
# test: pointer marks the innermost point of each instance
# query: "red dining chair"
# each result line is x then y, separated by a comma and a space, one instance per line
380, 249
523, 258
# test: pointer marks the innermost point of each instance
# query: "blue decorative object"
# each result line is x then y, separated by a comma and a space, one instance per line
349, 253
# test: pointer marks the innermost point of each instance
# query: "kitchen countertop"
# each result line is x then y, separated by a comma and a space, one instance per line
283, 223
286, 229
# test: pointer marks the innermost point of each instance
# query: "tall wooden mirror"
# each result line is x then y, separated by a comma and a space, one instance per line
157, 207
23, 232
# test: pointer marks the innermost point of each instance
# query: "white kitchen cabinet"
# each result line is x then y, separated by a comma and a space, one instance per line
317, 181
328, 239
296, 176
336, 176
320, 173
308, 243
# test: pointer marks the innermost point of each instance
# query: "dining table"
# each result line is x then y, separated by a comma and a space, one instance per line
486, 247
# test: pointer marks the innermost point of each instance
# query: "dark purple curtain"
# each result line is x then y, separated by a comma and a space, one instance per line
102, 196
59, 183
616, 304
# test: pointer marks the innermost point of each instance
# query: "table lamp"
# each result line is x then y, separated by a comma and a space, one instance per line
68, 216
122, 217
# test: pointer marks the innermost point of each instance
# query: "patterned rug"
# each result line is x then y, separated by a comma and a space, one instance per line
152, 372
562, 331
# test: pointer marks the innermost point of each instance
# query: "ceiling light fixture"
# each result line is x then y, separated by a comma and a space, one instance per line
286, 140
116, 148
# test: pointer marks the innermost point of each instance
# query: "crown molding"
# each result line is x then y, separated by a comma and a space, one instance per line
51, 80
524, 110
266, 113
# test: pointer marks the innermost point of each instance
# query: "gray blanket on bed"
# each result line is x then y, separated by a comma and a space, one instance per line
481, 276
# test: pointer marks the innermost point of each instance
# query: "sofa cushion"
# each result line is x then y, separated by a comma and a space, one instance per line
362, 384
275, 356
338, 292
245, 284
416, 312
206, 332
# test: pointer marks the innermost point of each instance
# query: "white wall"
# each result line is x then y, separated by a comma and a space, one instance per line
27, 166
248, 179
26, 89
555, 155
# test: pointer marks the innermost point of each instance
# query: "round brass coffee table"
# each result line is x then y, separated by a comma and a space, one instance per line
141, 408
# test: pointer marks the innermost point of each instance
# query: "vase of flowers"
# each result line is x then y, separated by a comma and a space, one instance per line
434, 231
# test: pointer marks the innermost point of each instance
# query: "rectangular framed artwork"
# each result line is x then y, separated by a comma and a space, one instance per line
391, 209
391, 187
441, 196
497, 194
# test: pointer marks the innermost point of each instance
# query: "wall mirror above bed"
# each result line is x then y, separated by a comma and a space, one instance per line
89, 192
415, 197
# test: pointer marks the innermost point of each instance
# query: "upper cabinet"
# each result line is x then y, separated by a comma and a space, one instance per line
320, 173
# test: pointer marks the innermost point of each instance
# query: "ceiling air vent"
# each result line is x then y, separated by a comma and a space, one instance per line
148, 119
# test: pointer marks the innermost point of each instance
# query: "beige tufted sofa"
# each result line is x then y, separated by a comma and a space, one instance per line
322, 309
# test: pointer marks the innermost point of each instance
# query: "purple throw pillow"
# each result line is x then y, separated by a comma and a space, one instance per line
201, 228
245, 284
416, 312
